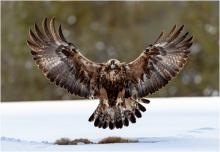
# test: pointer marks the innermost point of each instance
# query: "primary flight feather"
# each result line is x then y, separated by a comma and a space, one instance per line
120, 87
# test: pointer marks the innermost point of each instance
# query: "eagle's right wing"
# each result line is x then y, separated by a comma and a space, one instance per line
159, 63
61, 61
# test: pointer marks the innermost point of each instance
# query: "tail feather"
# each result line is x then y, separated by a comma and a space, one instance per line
105, 125
145, 100
119, 123
126, 122
141, 107
132, 118
91, 118
96, 123
111, 125
137, 113
117, 116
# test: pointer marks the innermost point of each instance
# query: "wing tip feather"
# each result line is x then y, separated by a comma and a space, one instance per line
61, 33
34, 47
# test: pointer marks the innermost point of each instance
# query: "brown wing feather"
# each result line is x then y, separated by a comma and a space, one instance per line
61, 61
159, 63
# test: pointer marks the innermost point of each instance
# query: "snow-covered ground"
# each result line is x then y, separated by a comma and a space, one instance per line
171, 124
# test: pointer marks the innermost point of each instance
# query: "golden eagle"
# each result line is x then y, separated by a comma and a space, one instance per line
120, 87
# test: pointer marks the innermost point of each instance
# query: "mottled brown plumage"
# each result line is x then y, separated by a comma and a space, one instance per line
120, 87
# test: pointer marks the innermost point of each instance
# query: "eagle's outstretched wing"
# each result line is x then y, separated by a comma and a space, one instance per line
61, 61
159, 63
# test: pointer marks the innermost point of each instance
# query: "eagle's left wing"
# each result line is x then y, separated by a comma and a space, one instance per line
61, 61
158, 64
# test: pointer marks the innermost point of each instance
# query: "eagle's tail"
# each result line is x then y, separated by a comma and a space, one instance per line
117, 116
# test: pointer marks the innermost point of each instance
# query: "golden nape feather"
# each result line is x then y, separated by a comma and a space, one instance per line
120, 87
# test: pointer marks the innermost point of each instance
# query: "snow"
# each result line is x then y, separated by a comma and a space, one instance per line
169, 124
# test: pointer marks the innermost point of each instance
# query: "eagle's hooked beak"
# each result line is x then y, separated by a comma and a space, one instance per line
112, 66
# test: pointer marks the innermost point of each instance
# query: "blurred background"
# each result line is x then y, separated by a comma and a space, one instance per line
104, 30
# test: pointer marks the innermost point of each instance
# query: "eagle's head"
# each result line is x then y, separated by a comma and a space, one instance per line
113, 64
